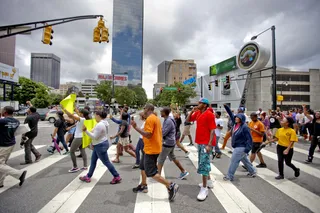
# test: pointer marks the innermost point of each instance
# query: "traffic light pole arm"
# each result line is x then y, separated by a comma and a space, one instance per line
61, 21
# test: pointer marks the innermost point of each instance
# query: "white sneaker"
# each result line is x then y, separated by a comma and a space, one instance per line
203, 194
209, 184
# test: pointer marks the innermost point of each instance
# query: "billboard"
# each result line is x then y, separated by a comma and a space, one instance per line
9, 73
224, 66
119, 80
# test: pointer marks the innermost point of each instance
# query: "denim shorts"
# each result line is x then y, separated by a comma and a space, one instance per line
204, 167
72, 130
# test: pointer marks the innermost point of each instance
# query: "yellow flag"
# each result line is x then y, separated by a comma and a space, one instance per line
89, 124
68, 103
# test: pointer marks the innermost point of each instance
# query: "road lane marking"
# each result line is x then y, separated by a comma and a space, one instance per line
72, 196
21, 152
315, 155
32, 170
296, 192
155, 201
230, 197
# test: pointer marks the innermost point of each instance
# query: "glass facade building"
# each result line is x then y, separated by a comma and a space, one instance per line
127, 39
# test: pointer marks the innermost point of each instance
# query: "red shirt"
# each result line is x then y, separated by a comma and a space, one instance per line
205, 123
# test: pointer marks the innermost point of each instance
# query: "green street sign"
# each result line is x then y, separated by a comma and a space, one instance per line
223, 79
224, 66
171, 88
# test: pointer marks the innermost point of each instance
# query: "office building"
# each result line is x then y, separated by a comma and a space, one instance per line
127, 39
45, 68
156, 89
8, 50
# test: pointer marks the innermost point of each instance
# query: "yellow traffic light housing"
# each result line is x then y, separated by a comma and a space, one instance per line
96, 35
216, 82
105, 35
47, 35
209, 86
101, 23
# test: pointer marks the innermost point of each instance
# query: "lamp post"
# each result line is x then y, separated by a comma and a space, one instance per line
283, 83
274, 64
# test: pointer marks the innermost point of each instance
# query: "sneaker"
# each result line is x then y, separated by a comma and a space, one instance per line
22, 177
173, 191
140, 188
116, 180
187, 154
252, 175
226, 178
262, 165
279, 177
135, 166
37, 158
218, 155
84, 168
297, 173
190, 144
209, 184
73, 170
309, 160
203, 194
183, 175
1, 186
85, 179
230, 152
66, 153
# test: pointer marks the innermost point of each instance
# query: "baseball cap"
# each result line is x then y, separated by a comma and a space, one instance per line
204, 100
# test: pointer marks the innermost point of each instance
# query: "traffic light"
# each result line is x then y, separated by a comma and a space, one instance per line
228, 79
101, 23
96, 35
179, 90
161, 90
105, 35
47, 35
216, 83
209, 86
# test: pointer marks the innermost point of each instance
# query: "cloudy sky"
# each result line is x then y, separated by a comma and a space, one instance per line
207, 31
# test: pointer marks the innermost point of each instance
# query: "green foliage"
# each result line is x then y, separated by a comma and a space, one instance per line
152, 101
124, 95
141, 96
104, 91
56, 98
80, 95
26, 91
42, 98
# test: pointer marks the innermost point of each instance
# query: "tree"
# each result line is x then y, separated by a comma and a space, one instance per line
26, 91
124, 95
42, 98
104, 91
56, 98
152, 101
80, 94
141, 96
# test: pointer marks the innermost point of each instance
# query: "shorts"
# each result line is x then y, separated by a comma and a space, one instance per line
255, 147
124, 141
186, 130
148, 164
72, 131
166, 152
204, 167
178, 135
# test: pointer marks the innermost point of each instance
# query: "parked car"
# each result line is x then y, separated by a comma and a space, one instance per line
43, 113
51, 116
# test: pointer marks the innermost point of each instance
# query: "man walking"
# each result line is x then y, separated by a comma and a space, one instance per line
32, 121
169, 143
205, 133
219, 123
152, 138
8, 127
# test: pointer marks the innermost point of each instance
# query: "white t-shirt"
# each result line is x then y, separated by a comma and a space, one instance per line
99, 133
299, 118
306, 119
142, 127
171, 115
219, 121
78, 133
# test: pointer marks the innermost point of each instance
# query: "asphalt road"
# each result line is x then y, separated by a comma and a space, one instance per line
50, 188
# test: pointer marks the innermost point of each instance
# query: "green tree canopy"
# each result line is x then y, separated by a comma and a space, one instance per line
26, 91
104, 91
141, 96
56, 98
42, 98
124, 95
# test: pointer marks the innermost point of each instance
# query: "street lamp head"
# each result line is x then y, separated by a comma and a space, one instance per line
254, 38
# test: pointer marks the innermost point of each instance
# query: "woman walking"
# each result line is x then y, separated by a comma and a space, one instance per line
315, 137
59, 131
100, 144
286, 137
140, 144
77, 142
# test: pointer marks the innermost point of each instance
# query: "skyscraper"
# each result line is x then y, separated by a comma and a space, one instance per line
127, 39
45, 68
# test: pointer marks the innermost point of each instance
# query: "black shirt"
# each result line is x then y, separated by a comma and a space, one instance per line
274, 122
32, 121
316, 129
178, 123
61, 125
125, 132
8, 127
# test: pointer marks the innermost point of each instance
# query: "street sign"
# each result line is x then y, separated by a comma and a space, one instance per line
190, 81
223, 79
170, 88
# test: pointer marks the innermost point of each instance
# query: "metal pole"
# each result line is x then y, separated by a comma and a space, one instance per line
12, 91
281, 95
113, 94
201, 83
274, 69
4, 91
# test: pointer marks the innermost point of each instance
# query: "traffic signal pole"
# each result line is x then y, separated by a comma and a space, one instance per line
9, 28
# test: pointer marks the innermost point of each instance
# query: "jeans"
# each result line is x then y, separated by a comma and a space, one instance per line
238, 155
60, 138
139, 147
28, 148
287, 158
314, 143
217, 149
100, 151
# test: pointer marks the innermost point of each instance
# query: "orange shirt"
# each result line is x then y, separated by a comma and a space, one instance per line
258, 126
153, 145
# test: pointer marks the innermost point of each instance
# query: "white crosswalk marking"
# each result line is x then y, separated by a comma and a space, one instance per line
21, 152
71, 197
315, 155
296, 192
231, 198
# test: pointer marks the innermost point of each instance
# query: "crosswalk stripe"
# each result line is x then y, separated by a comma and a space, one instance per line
315, 155
230, 197
296, 192
21, 152
155, 201
32, 170
305, 168
72, 196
